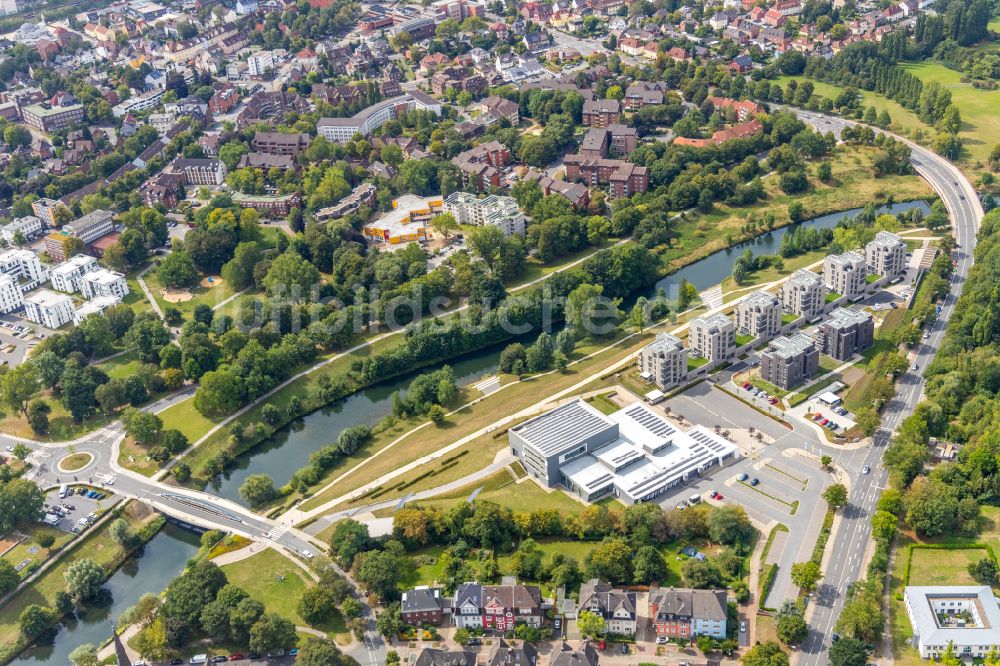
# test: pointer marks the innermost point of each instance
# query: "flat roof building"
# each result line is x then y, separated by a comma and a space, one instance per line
48, 308
633, 454
95, 224
103, 282
367, 121
406, 222
759, 314
804, 293
789, 360
664, 361
66, 276
96, 305
495, 211
845, 273
11, 296
886, 255
963, 618
712, 337
845, 333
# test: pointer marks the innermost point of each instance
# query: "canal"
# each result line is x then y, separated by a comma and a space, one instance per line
149, 570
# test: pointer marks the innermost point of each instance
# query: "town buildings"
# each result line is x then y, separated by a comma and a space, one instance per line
885, 255
962, 618
362, 195
845, 333
11, 296
759, 314
95, 306
406, 222
103, 282
601, 112
622, 178
48, 308
422, 605
497, 607
845, 274
50, 119
67, 275
496, 211
712, 337
664, 361
616, 606
47, 209
23, 265
27, 227
270, 206
200, 171
804, 294
685, 613
279, 143
789, 360
364, 123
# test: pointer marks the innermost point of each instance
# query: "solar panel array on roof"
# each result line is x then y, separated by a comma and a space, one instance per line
649, 420
564, 427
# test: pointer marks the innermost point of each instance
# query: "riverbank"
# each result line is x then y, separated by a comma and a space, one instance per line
98, 546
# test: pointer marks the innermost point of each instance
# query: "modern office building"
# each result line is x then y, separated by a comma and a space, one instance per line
200, 171
789, 360
845, 333
495, 211
103, 282
664, 361
712, 337
48, 308
46, 210
11, 296
845, 274
633, 454
67, 275
28, 226
804, 294
759, 314
95, 224
52, 118
963, 618
886, 255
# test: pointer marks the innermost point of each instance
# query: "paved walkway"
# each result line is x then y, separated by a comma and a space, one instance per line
147, 292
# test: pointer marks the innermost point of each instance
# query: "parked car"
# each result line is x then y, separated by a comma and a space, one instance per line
219, 658
755, 481
661, 640
742, 477
475, 640
176, 662
714, 494
624, 648
235, 657
198, 659
743, 627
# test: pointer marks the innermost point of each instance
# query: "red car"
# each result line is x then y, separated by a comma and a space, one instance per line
236, 657
747, 386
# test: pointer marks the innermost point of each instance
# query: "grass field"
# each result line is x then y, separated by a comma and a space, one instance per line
120, 367
943, 567
184, 417
273, 580
22, 550
61, 424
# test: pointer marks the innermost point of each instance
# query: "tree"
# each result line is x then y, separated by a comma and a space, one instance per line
316, 605
21, 451
862, 615
322, 652
258, 490
884, 526
9, 577
444, 224
18, 385
848, 651
151, 641
389, 622
730, 525
868, 420
348, 539
291, 277
765, 654
122, 534
84, 655
272, 633
84, 579
34, 620
143, 427
984, 571
177, 270
806, 575
835, 495
379, 572
792, 627
591, 625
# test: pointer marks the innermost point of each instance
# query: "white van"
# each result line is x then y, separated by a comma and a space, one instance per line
198, 659
63, 490
694, 499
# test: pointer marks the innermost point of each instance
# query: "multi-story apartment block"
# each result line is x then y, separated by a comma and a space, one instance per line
48, 308
260, 63
789, 360
617, 607
103, 282
24, 266
845, 274
94, 306
685, 613
269, 206
845, 333
496, 211
27, 226
886, 255
68, 275
599, 141
642, 93
11, 296
759, 314
622, 178
95, 224
50, 119
278, 143
664, 361
601, 112
364, 123
712, 337
804, 293
200, 171
46, 210
422, 605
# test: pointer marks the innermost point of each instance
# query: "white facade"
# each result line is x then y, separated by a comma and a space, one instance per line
804, 293
759, 315
48, 308
664, 361
259, 63
28, 226
496, 211
886, 255
376, 115
67, 275
11, 297
94, 306
24, 266
712, 337
103, 282
965, 617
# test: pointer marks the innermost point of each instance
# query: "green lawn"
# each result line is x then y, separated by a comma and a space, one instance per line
789, 318
943, 567
22, 550
502, 489
828, 363
210, 296
832, 296
273, 580
872, 277
184, 417
695, 362
120, 367
744, 339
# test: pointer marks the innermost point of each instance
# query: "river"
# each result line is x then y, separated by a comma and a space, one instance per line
289, 449
149, 570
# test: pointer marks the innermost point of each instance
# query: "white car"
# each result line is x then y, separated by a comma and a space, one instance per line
308, 554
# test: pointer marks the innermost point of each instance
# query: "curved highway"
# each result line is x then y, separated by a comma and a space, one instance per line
853, 536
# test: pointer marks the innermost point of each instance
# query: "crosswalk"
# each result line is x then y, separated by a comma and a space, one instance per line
277, 532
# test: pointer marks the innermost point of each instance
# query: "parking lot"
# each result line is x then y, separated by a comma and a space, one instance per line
73, 509
712, 407
14, 344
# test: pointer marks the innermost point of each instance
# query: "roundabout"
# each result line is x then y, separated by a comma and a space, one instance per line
75, 462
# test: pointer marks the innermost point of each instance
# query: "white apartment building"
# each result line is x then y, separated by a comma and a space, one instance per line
260, 62
162, 122
368, 120
712, 337
664, 361
48, 308
496, 211
886, 255
24, 266
67, 275
150, 100
804, 293
759, 315
96, 306
11, 297
845, 273
965, 618
103, 282
28, 226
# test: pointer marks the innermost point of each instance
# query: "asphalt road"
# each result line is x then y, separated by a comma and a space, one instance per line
851, 540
